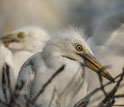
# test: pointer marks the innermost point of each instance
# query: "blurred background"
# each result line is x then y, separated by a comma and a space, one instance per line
54, 14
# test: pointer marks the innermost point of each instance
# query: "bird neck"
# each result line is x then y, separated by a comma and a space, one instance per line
52, 60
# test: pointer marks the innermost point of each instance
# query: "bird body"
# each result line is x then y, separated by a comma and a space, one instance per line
44, 65
23, 43
70, 85
44, 72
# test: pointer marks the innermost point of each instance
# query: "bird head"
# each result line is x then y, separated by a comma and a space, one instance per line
72, 46
26, 38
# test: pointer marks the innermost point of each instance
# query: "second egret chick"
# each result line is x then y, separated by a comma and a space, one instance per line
23, 43
71, 50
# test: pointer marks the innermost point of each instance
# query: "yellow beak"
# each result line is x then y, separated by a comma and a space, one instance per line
92, 63
6, 40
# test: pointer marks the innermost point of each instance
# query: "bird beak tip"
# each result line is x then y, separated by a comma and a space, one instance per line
107, 75
92, 63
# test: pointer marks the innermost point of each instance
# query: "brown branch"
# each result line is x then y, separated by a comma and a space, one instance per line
86, 99
121, 105
110, 96
101, 81
119, 96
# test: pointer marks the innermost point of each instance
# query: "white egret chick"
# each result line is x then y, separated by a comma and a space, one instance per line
107, 44
69, 49
23, 43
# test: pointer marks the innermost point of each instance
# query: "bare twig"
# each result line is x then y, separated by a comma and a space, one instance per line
119, 96
101, 81
15, 103
53, 94
110, 96
70, 82
118, 105
86, 99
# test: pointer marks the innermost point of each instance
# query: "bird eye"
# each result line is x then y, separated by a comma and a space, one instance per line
79, 48
21, 35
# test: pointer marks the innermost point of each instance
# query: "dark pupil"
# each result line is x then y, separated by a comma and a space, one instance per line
79, 48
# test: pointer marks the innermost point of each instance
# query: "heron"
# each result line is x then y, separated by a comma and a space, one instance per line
70, 49
107, 44
23, 43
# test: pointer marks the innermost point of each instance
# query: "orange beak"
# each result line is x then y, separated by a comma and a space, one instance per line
6, 40
92, 63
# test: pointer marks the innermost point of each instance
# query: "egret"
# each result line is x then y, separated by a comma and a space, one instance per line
108, 46
69, 49
23, 43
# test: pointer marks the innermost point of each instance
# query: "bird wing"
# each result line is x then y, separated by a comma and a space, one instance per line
25, 80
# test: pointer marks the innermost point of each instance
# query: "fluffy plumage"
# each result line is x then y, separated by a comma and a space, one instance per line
25, 42
39, 68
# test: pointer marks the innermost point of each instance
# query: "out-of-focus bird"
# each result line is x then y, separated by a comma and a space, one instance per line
69, 49
46, 12
52, 14
107, 44
23, 43
6, 73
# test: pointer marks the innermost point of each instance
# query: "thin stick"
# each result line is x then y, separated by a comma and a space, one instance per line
119, 96
53, 94
111, 94
87, 98
101, 81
